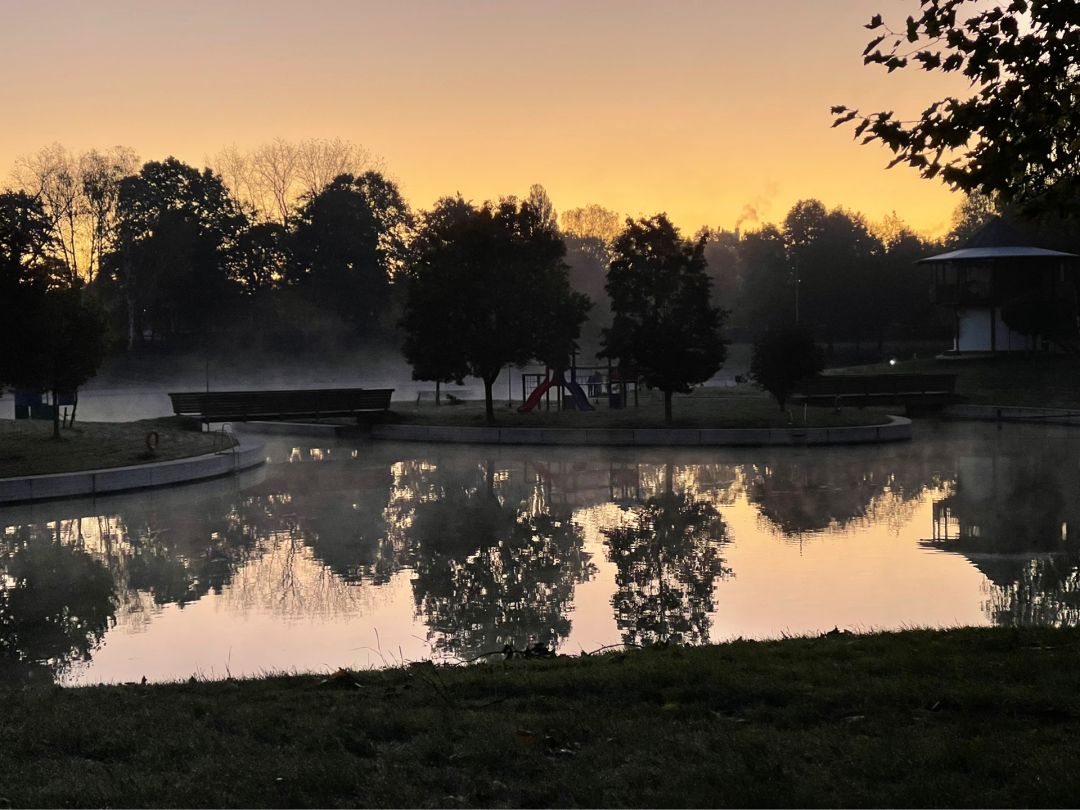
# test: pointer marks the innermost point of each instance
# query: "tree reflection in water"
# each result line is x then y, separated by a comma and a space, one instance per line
56, 603
828, 490
487, 572
668, 562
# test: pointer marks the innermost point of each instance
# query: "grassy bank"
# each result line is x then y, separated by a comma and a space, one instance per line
740, 407
1037, 380
967, 717
27, 447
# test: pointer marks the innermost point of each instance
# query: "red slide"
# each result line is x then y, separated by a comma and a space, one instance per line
535, 396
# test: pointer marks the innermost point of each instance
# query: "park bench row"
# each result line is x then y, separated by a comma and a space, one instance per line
219, 406
873, 389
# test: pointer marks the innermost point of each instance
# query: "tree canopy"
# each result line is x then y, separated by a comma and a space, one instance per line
1017, 136
664, 325
782, 358
55, 338
175, 228
350, 239
488, 288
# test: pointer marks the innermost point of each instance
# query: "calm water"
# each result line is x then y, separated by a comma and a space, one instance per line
363, 554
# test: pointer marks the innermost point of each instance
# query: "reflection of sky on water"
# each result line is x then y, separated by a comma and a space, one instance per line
360, 555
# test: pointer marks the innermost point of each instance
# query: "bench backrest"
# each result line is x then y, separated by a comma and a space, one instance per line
252, 404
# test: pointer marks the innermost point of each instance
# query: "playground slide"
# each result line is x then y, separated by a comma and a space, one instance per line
535, 396
581, 402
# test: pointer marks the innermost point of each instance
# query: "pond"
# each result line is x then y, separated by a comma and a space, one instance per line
364, 554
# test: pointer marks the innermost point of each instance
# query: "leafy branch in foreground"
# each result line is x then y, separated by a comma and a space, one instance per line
1017, 136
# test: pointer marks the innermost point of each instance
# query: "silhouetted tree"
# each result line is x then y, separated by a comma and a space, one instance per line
587, 263
488, 288
175, 229
271, 180
664, 325
261, 258
350, 238
897, 297
1016, 135
592, 222
54, 337
540, 202
834, 256
25, 240
78, 194
971, 214
782, 358
59, 344
767, 297
26, 237
722, 258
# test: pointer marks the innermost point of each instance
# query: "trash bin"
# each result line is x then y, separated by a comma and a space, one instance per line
615, 400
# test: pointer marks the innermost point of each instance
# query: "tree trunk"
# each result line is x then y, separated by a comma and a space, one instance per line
489, 405
667, 407
131, 323
56, 415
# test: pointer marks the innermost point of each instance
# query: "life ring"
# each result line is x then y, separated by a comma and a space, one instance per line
152, 441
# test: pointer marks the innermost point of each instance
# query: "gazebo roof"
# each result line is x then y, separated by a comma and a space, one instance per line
997, 240
982, 254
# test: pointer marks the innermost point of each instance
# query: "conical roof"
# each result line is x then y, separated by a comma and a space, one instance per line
997, 233
997, 240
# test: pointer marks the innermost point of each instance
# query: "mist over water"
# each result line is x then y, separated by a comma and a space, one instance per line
127, 390
358, 554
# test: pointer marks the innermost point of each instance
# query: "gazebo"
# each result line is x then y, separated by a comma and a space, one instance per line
998, 268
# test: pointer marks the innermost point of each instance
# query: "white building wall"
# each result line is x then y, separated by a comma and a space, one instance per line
974, 333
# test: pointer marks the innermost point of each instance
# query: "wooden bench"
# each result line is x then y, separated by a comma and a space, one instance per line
242, 406
877, 389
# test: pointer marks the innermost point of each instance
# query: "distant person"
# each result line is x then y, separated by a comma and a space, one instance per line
595, 381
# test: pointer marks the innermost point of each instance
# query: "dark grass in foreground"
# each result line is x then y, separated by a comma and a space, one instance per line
966, 717
27, 447
740, 407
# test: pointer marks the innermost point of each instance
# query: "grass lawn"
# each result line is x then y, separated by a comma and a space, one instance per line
982, 718
1036, 380
27, 447
740, 407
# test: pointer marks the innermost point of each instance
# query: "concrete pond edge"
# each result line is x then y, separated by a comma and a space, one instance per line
897, 429
1013, 413
245, 455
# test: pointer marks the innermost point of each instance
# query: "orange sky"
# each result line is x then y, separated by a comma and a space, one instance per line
694, 108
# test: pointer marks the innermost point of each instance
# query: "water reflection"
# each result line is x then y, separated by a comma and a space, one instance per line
56, 603
668, 561
454, 552
489, 574
1016, 517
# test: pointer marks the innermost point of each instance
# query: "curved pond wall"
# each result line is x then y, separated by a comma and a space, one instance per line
243, 456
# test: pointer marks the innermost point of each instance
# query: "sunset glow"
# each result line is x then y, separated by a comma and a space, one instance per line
716, 112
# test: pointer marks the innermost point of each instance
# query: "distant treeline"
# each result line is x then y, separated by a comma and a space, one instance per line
296, 247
